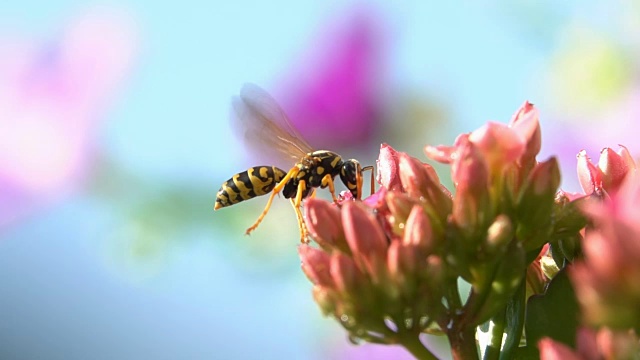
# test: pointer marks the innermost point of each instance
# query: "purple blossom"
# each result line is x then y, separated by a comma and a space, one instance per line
52, 97
332, 97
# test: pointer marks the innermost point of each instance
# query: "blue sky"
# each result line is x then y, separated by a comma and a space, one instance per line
66, 295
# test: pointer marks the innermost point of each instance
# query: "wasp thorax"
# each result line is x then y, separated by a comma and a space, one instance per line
350, 175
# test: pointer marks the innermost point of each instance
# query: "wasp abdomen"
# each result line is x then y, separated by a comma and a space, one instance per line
258, 180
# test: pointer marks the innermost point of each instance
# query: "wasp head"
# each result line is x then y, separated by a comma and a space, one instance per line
351, 176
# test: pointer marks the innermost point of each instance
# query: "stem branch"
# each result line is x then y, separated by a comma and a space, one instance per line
411, 342
497, 326
463, 343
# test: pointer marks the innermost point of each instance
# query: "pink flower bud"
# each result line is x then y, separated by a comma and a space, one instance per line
526, 124
401, 262
551, 350
471, 200
364, 236
419, 181
345, 274
387, 165
400, 206
418, 231
316, 265
627, 158
606, 281
499, 145
324, 224
586, 343
592, 345
413, 176
499, 235
545, 178
614, 168
604, 256
393, 258
617, 344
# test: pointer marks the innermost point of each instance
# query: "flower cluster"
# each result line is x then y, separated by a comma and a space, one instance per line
53, 96
388, 268
606, 281
605, 276
593, 345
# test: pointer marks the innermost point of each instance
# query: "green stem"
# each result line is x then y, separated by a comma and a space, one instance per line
453, 297
514, 322
497, 325
411, 342
472, 306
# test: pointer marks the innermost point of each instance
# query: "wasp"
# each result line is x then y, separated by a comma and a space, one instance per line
268, 129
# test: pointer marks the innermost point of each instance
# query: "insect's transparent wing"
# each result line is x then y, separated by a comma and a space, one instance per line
265, 128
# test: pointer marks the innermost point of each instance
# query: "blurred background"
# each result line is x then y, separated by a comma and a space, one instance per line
115, 136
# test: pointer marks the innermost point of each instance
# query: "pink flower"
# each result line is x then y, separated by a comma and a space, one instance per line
369, 249
52, 96
325, 224
593, 345
499, 145
332, 98
551, 350
526, 124
606, 282
394, 259
611, 170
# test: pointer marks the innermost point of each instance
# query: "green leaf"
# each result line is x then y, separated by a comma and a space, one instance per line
553, 314
526, 353
569, 220
557, 254
514, 318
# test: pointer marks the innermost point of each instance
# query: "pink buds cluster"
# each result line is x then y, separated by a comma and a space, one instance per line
607, 279
388, 268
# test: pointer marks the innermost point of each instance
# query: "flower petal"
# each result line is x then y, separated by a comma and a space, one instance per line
589, 175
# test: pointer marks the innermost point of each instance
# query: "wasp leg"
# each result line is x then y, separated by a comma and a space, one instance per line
292, 173
373, 186
297, 204
327, 180
300, 219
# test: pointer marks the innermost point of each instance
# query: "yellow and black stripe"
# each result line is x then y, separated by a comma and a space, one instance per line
257, 181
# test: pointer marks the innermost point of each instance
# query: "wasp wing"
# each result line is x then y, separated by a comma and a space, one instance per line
265, 128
